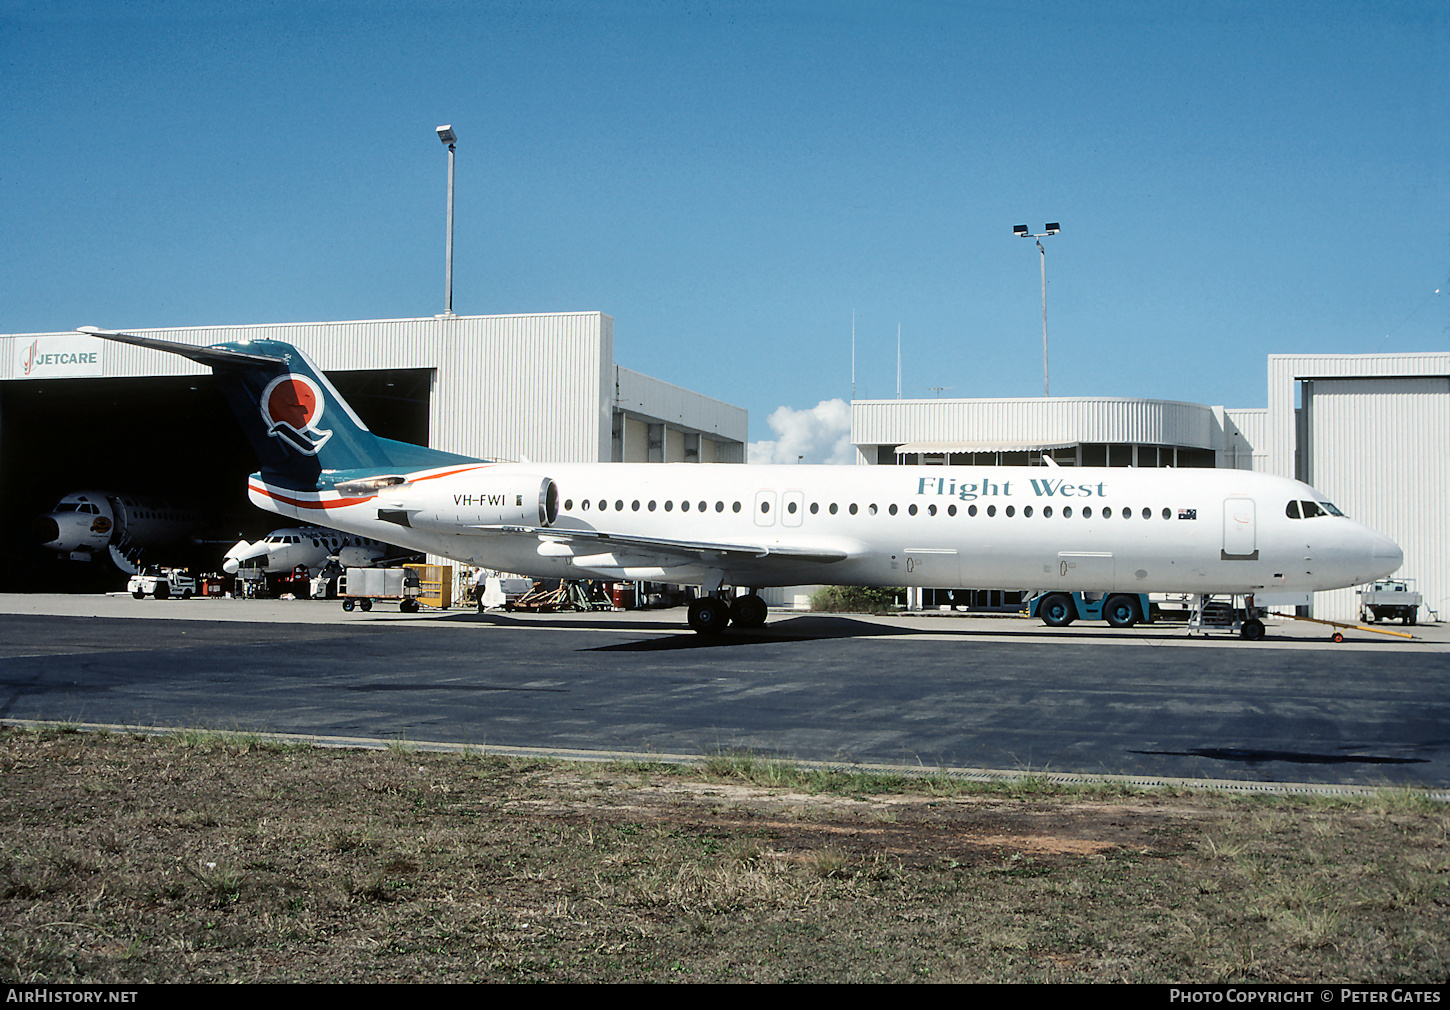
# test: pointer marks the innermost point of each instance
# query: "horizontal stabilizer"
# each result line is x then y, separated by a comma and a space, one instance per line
209, 356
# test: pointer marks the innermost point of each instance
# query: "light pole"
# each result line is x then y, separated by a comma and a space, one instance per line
1021, 231
450, 140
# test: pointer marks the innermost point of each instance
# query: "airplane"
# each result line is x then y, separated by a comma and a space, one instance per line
310, 546
86, 525
1126, 530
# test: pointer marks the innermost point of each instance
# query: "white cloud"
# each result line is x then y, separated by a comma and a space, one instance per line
821, 434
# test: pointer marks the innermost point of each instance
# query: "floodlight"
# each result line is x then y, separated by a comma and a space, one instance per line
1020, 229
1053, 228
446, 134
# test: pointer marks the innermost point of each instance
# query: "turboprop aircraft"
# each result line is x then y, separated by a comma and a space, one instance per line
310, 546
1126, 530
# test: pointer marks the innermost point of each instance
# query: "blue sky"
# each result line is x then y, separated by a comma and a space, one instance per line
730, 181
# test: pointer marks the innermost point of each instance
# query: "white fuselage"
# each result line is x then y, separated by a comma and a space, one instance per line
84, 524
1070, 528
306, 546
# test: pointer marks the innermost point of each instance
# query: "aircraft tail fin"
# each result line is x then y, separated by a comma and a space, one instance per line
299, 425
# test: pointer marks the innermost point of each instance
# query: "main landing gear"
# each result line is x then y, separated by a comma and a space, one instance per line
710, 615
1204, 614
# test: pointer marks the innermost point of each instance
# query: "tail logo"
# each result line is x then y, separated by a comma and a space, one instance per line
292, 406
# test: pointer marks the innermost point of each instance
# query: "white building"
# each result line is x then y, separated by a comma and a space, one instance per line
543, 386
1370, 431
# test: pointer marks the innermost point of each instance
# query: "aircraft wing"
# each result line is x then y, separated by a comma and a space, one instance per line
705, 552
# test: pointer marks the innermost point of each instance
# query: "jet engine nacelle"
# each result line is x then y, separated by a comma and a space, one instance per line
473, 501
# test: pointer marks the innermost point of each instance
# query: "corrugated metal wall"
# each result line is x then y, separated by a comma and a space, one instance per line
677, 407
1380, 450
1065, 419
540, 386
1245, 438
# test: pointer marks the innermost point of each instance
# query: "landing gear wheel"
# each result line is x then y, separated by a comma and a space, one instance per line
1120, 611
366, 605
409, 606
748, 611
163, 591
1057, 611
348, 604
709, 616
1251, 630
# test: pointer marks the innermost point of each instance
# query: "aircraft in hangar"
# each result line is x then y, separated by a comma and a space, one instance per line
1126, 530
87, 525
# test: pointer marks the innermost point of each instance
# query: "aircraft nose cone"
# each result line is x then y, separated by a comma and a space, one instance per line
1388, 553
45, 530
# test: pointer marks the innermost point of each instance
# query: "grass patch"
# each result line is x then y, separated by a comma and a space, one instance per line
217, 857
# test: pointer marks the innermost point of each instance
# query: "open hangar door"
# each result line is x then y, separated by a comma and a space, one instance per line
172, 438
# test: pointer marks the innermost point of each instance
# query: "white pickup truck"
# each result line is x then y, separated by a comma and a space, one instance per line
1389, 598
162, 584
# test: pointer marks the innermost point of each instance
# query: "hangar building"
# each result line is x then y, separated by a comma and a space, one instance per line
1371, 431
76, 412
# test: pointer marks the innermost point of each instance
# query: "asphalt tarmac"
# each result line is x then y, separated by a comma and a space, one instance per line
958, 692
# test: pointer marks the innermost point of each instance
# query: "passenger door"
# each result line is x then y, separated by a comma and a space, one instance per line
1240, 534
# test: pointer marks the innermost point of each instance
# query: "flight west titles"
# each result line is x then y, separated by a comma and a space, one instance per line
1041, 488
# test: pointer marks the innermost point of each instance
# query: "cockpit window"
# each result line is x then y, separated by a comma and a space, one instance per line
1292, 510
1330, 509
1311, 510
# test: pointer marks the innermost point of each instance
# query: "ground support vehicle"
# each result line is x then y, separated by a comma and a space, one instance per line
1390, 598
1058, 610
501, 591
164, 583
1340, 627
362, 587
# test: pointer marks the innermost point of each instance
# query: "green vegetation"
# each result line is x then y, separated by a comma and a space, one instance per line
856, 599
217, 857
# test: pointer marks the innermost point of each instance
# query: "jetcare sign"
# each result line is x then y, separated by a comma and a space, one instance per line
57, 358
